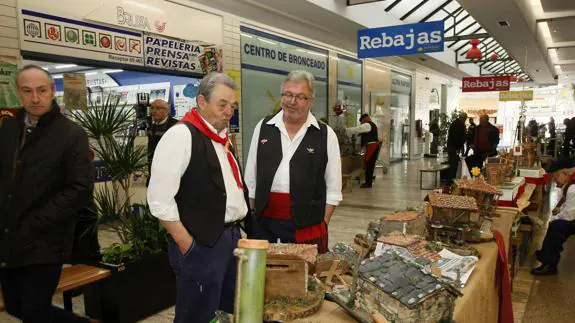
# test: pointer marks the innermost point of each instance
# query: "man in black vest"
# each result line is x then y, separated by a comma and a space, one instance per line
197, 192
158, 123
370, 141
562, 224
46, 180
293, 171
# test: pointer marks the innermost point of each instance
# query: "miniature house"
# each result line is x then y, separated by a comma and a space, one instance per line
287, 269
412, 222
416, 248
485, 195
402, 292
452, 217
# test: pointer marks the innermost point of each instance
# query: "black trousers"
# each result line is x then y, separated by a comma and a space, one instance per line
370, 167
557, 233
28, 294
206, 277
453, 159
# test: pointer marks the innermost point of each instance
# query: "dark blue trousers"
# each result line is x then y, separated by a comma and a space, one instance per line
557, 233
271, 229
206, 278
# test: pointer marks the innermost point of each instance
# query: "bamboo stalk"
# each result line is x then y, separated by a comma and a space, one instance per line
251, 279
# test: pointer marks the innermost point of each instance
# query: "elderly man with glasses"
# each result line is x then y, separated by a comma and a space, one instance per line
293, 172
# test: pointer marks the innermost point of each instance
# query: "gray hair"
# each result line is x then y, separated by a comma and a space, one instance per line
34, 67
210, 81
300, 75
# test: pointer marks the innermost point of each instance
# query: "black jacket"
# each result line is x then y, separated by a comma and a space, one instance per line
492, 136
456, 134
43, 187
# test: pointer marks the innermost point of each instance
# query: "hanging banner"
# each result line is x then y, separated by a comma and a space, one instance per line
50, 34
398, 40
8, 89
485, 83
75, 91
181, 55
516, 95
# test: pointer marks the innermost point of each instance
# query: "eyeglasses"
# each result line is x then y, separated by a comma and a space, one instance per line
290, 96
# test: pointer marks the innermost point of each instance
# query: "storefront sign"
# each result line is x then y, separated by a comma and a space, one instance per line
485, 84
75, 91
49, 34
281, 55
516, 95
100, 79
8, 90
181, 55
400, 83
407, 39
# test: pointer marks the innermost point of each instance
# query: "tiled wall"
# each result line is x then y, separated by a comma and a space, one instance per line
9, 29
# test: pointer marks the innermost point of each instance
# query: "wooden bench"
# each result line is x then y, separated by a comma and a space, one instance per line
73, 277
435, 170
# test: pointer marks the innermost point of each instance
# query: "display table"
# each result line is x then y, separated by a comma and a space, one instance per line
511, 192
480, 300
540, 181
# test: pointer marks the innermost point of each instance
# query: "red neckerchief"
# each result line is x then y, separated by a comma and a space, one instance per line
196, 120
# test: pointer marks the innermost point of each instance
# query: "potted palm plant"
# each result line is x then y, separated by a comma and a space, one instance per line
142, 282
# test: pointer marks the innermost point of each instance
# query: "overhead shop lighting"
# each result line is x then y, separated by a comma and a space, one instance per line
58, 67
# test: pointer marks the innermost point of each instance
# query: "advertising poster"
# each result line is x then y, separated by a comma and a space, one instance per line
75, 91
8, 71
181, 55
50, 34
235, 120
185, 98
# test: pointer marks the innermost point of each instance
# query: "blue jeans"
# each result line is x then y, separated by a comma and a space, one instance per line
206, 278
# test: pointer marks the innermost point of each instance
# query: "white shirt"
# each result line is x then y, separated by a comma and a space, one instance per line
171, 159
362, 128
567, 210
281, 182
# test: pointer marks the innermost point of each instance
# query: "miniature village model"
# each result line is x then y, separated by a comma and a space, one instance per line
289, 292
412, 222
486, 195
453, 218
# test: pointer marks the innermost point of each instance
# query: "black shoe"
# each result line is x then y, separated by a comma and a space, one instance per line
365, 185
544, 270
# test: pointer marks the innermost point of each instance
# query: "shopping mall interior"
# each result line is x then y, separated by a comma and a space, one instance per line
469, 108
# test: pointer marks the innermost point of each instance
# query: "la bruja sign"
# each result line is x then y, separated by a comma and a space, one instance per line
485, 83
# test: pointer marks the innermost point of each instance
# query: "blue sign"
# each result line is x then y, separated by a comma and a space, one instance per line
408, 39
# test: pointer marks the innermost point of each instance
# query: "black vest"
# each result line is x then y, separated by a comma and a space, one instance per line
201, 198
307, 172
369, 136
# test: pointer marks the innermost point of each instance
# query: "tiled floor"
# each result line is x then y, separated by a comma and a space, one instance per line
548, 301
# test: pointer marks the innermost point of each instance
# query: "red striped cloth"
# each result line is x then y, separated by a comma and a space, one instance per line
279, 208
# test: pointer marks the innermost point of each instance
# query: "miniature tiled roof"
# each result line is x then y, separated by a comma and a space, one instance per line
406, 283
477, 185
398, 239
402, 216
419, 249
306, 252
452, 201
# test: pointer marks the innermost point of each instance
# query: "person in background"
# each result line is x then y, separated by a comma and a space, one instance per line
485, 143
568, 136
562, 224
158, 123
470, 136
369, 139
197, 193
293, 170
46, 180
455, 141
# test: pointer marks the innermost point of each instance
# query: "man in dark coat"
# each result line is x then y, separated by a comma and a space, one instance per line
486, 141
455, 142
470, 136
46, 179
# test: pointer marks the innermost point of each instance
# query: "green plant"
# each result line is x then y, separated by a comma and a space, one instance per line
108, 126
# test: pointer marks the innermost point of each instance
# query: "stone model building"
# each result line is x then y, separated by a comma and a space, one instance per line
402, 292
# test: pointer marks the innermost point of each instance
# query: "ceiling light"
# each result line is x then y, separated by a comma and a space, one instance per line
504, 23
474, 52
113, 71
45, 68
64, 66
57, 76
